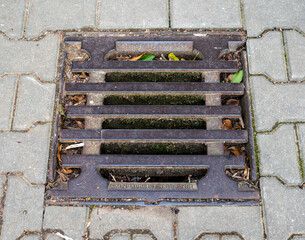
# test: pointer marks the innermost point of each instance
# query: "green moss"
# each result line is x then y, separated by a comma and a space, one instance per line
140, 123
152, 148
154, 100
153, 77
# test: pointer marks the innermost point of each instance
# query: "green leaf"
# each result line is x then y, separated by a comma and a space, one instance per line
172, 57
237, 77
147, 57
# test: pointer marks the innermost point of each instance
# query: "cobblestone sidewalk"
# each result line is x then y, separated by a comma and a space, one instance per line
31, 32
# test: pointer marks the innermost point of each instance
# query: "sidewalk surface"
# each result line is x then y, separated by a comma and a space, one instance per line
31, 32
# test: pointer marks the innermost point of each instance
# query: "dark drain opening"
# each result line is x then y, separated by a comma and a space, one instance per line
151, 174
156, 132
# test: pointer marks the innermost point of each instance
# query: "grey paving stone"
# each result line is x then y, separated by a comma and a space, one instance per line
133, 14
301, 132
276, 103
53, 237
261, 15
60, 15
296, 54
71, 220
278, 154
298, 238
35, 102
210, 237
231, 238
7, 99
23, 208
194, 220
26, 152
31, 237
122, 236
157, 219
284, 209
38, 57
205, 14
141, 237
11, 17
266, 56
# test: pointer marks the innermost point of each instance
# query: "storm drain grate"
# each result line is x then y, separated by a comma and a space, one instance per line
152, 130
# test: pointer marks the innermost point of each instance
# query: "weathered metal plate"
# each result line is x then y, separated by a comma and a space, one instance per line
153, 111
136, 186
155, 135
233, 89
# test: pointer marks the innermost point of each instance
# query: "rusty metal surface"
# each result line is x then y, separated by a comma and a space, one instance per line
153, 111
209, 46
215, 184
233, 89
155, 135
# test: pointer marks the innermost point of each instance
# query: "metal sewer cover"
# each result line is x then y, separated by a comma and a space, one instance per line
153, 119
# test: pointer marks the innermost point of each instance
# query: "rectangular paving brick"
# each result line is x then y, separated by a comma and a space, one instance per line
7, 100
206, 14
266, 56
261, 15
35, 102
38, 57
284, 209
26, 152
71, 220
11, 17
245, 220
60, 15
133, 14
276, 102
278, 154
157, 219
296, 54
23, 208
301, 132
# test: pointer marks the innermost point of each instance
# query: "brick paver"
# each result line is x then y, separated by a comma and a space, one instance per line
133, 14
157, 219
266, 56
6, 104
71, 220
23, 208
278, 154
11, 17
26, 152
262, 15
276, 103
60, 15
39, 57
192, 221
35, 102
296, 54
284, 209
206, 14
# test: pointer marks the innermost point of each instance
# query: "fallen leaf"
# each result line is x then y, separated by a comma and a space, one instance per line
233, 102
138, 57
237, 77
172, 57
83, 75
62, 176
247, 172
59, 153
74, 146
80, 124
147, 57
236, 152
66, 170
61, 110
78, 99
227, 124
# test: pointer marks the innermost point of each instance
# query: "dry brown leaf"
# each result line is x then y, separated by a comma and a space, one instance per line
78, 99
66, 170
58, 153
236, 152
83, 75
247, 172
227, 124
138, 57
232, 102
80, 124
62, 176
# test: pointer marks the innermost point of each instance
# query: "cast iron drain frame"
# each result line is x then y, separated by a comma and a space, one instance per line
93, 59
